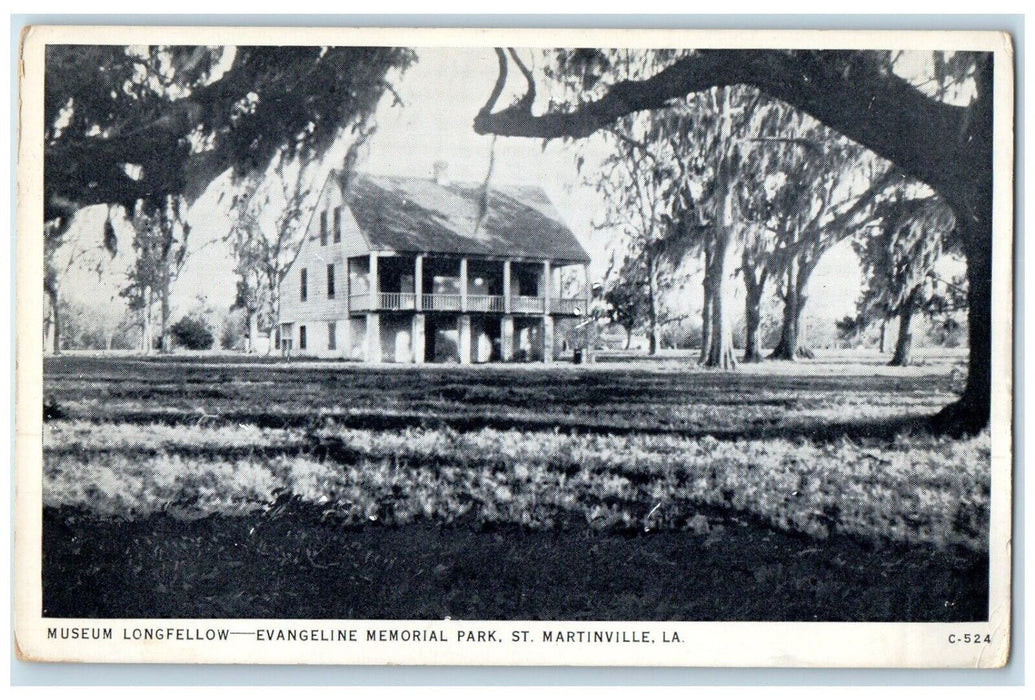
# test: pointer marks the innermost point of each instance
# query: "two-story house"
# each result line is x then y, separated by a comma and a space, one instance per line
401, 269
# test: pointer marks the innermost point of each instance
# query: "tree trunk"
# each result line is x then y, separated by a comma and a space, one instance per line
904, 344
788, 343
972, 411
883, 336
973, 208
164, 341
720, 337
706, 309
274, 306
147, 343
791, 345
48, 339
706, 326
55, 320
752, 316
652, 311
253, 331
720, 334
803, 349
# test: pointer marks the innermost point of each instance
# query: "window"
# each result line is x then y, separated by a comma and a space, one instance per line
323, 227
301, 337
304, 291
330, 281
332, 335
337, 224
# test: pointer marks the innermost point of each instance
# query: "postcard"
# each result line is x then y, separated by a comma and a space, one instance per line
514, 347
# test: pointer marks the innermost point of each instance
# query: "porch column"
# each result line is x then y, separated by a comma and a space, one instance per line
587, 352
547, 318
373, 336
375, 285
507, 338
546, 288
464, 327
418, 286
463, 285
418, 338
547, 339
506, 290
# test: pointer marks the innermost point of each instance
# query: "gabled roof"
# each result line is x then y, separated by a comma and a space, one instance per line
408, 214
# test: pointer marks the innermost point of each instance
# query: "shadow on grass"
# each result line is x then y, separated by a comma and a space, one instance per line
296, 564
870, 429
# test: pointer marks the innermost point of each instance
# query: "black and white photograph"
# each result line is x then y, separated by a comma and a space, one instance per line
514, 347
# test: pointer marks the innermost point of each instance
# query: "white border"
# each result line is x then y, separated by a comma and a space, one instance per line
917, 645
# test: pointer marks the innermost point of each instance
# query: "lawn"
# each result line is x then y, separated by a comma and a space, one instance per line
201, 487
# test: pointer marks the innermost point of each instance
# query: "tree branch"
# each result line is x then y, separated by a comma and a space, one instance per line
529, 97
497, 89
848, 91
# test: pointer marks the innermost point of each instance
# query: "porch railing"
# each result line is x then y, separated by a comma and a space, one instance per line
489, 303
397, 301
476, 303
440, 302
526, 305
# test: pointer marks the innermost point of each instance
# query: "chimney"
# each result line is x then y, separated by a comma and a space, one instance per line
441, 172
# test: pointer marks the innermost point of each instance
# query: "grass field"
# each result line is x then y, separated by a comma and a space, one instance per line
201, 487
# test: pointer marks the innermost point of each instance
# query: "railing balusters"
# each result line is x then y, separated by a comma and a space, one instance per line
491, 303
478, 303
527, 305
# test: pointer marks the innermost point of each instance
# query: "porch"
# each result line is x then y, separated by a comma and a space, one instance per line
390, 283
451, 338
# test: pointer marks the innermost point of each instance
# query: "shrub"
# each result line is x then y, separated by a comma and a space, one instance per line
234, 332
192, 333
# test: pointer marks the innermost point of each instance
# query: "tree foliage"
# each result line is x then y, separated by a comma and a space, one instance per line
937, 130
138, 127
690, 154
641, 183
817, 189
192, 333
848, 330
161, 245
898, 261
625, 296
59, 258
147, 122
268, 225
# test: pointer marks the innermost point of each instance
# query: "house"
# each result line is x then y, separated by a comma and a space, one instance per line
413, 270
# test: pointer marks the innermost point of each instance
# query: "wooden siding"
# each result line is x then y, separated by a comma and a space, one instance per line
318, 308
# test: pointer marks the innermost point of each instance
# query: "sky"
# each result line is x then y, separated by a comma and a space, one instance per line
441, 94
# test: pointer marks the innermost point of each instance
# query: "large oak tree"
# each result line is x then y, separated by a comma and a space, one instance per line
857, 93
136, 126
130, 123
